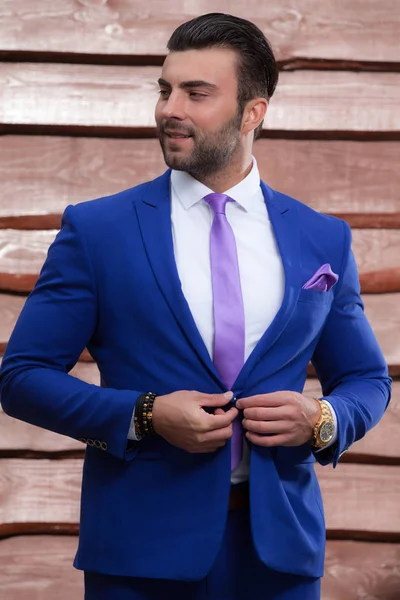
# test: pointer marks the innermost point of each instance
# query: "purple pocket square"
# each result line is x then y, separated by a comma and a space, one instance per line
322, 280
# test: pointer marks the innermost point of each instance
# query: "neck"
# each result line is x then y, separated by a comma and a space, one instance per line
232, 175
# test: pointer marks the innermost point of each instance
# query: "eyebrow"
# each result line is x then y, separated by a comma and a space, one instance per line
190, 84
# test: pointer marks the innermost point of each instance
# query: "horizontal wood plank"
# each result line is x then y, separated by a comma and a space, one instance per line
40, 568
360, 500
382, 443
380, 281
41, 175
96, 96
38, 491
10, 308
383, 313
363, 30
355, 570
382, 310
377, 252
22, 254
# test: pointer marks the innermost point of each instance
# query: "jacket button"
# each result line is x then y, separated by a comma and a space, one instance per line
97, 443
104, 446
83, 440
90, 442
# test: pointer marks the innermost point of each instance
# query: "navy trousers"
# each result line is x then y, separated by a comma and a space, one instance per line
237, 574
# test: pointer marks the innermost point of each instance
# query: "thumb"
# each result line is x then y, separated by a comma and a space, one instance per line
217, 399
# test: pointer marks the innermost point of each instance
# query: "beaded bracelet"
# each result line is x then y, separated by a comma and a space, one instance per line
144, 415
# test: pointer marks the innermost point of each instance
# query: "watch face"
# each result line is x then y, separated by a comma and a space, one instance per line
326, 432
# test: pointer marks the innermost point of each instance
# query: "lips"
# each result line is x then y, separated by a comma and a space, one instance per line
177, 135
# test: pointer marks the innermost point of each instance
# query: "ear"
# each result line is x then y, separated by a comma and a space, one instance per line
253, 114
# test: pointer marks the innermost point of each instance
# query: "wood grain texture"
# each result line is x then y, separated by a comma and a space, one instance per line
377, 252
382, 443
360, 570
383, 312
362, 30
40, 568
10, 308
343, 177
381, 281
41, 175
67, 95
22, 254
38, 491
360, 500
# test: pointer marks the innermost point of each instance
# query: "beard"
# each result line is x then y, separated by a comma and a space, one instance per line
211, 152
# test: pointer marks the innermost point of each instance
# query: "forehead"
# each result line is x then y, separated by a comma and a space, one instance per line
216, 65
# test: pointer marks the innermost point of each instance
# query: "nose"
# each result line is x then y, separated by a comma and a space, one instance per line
173, 107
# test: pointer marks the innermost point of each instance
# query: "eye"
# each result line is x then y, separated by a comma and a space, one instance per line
197, 95
164, 93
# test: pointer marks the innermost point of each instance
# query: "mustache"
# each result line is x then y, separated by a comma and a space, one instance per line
173, 126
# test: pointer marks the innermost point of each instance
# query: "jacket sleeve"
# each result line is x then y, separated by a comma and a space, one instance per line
349, 363
56, 324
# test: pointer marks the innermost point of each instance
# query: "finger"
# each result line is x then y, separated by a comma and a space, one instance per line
220, 421
282, 439
212, 440
261, 413
218, 435
215, 399
219, 411
267, 427
266, 400
206, 449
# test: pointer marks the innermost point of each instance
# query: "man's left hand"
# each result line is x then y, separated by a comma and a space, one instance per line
279, 419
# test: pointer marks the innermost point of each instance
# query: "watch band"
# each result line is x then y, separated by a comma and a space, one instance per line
324, 429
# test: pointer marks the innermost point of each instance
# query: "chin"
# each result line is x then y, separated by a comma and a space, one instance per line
178, 163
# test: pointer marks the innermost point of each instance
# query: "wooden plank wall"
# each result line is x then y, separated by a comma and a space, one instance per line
77, 92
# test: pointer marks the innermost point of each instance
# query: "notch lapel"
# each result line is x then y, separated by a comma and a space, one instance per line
284, 219
154, 216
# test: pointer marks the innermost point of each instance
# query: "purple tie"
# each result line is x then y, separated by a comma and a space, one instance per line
229, 324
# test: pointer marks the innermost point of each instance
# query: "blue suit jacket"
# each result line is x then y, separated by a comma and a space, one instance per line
110, 283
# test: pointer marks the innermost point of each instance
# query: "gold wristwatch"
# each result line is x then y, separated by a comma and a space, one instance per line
324, 428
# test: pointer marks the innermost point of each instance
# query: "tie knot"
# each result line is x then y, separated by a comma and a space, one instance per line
217, 202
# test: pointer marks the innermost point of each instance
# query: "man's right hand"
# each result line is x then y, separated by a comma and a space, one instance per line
181, 420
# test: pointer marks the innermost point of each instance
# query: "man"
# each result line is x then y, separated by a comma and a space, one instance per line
202, 296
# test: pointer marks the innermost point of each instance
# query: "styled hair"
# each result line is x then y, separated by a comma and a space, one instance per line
257, 70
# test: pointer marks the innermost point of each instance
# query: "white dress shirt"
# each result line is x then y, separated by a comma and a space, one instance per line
261, 271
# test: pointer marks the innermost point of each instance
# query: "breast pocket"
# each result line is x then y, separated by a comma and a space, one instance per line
316, 297
307, 320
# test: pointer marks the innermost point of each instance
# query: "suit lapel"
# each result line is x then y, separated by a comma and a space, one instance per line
154, 215
283, 216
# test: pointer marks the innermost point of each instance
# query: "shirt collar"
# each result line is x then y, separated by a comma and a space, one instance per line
189, 191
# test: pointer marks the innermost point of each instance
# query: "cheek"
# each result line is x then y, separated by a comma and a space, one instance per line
157, 112
204, 123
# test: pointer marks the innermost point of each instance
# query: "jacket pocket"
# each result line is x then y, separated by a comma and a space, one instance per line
315, 296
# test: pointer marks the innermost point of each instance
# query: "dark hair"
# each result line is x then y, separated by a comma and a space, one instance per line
257, 71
